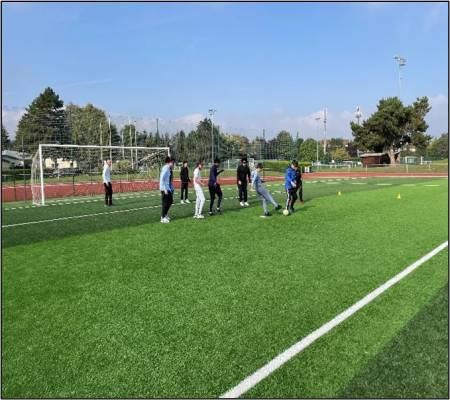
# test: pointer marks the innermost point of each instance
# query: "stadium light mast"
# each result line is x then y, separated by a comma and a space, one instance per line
211, 113
358, 114
318, 118
109, 128
401, 62
325, 130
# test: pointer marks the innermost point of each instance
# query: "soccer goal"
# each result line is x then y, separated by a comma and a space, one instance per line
60, 170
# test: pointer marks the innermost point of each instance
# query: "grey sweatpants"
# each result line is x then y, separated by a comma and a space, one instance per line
265, 197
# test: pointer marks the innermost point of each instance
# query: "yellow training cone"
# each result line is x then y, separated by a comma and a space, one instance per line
398, 196
339, 193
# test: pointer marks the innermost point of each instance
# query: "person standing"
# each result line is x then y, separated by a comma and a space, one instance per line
243, 177
263, 194
214, 187
200, 197
290, 185
299, 182
166, 188
184, 177
106, 175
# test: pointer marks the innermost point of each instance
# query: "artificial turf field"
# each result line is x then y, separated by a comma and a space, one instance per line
111, 303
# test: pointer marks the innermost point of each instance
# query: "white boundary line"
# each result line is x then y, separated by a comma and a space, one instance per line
262, 373
106, 213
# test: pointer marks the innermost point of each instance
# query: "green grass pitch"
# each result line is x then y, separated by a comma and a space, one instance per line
107, 302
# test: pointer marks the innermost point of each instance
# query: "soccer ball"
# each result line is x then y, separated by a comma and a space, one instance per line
286, 212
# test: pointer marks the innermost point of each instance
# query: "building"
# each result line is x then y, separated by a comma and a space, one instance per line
373, 159
14, 159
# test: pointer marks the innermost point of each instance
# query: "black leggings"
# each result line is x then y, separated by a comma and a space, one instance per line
108, 193
291, 198
300, 191
242, 192
213, 191
167, 200
184, 190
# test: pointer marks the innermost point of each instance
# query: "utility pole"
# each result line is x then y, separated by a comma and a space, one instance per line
131, 141
401, 62
325, 131
317, 141
101, 141
218, 141
211, 112
157, 126
109, 127
358, 114
135, 143
264, 141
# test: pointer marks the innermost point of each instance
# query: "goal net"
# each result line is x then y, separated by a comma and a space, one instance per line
61, 171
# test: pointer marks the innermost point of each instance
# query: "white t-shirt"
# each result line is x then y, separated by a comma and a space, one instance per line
106, 173
197, 176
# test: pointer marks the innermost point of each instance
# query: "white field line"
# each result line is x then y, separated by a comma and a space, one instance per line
295, 349
383, 184
105, 213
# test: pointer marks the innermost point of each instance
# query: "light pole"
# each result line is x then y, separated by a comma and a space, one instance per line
324, 131
358, 114
317, 141
211, 113
401, 62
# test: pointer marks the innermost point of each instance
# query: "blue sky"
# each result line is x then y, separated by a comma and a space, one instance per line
272, 66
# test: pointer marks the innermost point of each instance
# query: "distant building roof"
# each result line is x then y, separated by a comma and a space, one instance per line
15, 154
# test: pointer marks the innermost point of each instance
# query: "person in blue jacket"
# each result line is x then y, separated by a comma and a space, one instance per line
290, 184
166, 188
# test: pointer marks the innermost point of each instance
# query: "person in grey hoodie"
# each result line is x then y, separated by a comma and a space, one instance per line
263, 193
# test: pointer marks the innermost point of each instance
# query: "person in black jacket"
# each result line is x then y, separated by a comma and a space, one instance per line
184, 177
243, 178
214, 187
299, 182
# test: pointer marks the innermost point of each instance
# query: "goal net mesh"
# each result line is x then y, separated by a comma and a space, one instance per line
61, 171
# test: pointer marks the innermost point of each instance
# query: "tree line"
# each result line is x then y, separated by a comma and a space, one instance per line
391, 128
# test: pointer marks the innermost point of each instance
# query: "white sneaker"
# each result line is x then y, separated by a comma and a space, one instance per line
182, 201
164, 221
242, 204
246, 204
168, 218
187, 201
195, 216
200, 216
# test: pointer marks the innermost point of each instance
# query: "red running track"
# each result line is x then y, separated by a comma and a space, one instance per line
21, 193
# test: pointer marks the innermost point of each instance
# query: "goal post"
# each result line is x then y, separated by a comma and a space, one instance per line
64, 170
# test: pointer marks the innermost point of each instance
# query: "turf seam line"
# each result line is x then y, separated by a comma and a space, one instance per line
263, 372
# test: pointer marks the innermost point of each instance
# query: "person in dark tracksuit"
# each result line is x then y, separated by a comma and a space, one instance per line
299, 182
243, 177
214, 187
166, 188
290, 185
106, 175
184, 177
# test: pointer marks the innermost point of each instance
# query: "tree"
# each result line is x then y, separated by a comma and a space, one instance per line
89, 125
308, 151
438, 148
43, 122
339, 154
285, 146
5, 138
392, 126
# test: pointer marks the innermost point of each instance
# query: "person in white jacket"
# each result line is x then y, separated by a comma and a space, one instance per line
107, 182
200, 197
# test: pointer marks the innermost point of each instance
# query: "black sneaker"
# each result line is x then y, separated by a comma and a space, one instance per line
218, 210
211, 213
292, 209
265, 215
278, 207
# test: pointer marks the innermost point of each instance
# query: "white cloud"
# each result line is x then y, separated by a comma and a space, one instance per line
10, 119
437, 118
